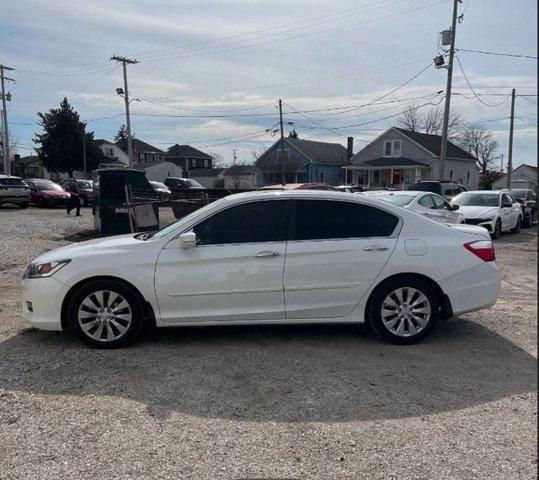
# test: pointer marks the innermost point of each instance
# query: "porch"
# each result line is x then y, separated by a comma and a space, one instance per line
371, 175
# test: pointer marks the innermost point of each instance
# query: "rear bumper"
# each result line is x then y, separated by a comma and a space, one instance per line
473, 289
42, 302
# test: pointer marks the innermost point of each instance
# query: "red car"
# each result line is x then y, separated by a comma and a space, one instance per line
46, 193
298, 186
84, 188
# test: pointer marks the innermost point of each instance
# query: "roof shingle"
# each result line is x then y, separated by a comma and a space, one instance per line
433, 144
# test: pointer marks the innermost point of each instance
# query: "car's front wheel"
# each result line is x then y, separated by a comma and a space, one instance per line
497, 233
105, 314
404, 310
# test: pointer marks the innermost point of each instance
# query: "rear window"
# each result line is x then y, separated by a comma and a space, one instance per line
12, 182
396, 199
433, 187
324, 219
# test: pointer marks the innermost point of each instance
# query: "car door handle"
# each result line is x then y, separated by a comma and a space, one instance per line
375, 248
266, 254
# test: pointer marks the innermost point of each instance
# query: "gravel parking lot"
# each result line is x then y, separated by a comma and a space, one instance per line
314, 402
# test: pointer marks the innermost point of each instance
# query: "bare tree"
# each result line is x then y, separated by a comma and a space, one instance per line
430, 122
237, 172
478, 141
218, 161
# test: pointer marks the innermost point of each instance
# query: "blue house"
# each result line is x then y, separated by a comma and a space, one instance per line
305, 161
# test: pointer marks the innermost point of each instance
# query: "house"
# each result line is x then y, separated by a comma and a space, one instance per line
112, 152
241, 177
27, 167
524, 176
305, 161
188, 158
208, 177
143, 153
400, 157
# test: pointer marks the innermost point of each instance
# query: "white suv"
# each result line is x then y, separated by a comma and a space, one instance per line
13, 190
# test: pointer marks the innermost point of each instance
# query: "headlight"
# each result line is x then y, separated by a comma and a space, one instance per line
41, 270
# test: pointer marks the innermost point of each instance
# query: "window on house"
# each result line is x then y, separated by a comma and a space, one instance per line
468, 178
321, 176
193, 163
142, 158
206, 164
376, 176
392, 148
450, 174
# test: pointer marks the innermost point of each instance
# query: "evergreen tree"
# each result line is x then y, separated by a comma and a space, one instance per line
60, 145
122, 134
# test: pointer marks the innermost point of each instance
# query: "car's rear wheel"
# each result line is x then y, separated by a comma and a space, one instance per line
404, 310
23, 205
105, 314
41, 202
497, 233
517, 226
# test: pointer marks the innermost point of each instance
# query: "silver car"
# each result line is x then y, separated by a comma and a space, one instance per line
429, 204
13, 190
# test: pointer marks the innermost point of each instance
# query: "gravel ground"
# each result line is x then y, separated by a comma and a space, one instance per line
316, 402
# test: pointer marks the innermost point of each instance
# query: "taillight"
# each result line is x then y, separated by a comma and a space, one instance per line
484, 249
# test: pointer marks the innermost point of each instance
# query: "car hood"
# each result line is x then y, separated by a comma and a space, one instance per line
478, 212
119, 244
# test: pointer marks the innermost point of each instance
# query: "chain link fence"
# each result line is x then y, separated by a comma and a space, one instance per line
150, 210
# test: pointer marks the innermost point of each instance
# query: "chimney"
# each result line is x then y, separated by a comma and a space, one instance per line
350, 148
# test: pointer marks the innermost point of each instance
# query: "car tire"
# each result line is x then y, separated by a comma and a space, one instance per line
23, 205
529, 222
497, 230
106, 314
419, 310
517, 226
41, 203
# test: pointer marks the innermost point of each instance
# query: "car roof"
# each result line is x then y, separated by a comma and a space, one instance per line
3, 175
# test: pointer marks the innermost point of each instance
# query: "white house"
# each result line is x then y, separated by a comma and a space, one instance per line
524, 176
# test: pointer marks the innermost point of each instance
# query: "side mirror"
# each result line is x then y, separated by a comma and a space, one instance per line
188, 239
454, 207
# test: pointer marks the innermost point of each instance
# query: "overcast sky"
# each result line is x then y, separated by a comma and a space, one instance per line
234, 58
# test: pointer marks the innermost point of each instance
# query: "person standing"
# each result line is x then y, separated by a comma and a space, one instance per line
74, 200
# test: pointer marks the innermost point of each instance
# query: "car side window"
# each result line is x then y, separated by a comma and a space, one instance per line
426, 201
254, 222
326, 219
440, 203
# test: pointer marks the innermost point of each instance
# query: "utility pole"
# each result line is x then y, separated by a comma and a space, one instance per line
511, 132
5, 133
283, 172
84, 153
127, 61
443, 147
234, 158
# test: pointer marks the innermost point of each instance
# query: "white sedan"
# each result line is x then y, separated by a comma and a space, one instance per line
495, 210
268, 258
429, 204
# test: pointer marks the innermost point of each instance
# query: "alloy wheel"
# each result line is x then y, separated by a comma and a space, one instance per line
406, 311
104, 315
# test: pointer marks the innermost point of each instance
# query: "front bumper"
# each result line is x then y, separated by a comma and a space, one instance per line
488, 224
42, 302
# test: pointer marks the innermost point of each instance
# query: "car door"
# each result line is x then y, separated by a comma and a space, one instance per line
428, 208
507, 212
235, 271
336, 249
441, 206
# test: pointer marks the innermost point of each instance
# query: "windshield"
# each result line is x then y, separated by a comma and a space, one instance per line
520, 194
159, 185
85, 184
395, 199
12, 182
433, 187
477, 200
47, 186
192, 183
186, 219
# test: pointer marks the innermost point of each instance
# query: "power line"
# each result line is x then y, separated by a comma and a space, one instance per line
485, 52
473, 91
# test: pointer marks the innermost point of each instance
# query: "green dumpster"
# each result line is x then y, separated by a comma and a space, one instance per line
110, 209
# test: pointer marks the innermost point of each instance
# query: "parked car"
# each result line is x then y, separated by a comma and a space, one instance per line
292, 256
445, 188
46, 193
83, 188
162, 191
298, 186
14, 191
528, 202
495, 210
349, 188
430, 205
178, 184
